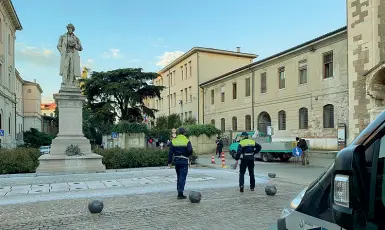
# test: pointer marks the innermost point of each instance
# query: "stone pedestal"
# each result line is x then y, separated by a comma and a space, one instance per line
70, 103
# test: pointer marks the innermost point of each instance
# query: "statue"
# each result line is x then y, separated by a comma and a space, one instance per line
69, 46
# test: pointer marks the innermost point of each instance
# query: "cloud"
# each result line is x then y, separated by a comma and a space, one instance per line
36, 56
168, 57
112, 53
89, 63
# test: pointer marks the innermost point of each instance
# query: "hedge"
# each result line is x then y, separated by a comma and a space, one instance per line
197, 130
19, 160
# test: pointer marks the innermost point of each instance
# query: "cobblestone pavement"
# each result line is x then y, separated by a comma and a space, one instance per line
219, 209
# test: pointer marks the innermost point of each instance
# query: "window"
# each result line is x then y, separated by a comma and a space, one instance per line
173, 78
328, 65
247, 87
181, 69
9, 44
281, 76
171, 101
174, 99
303, 118
263, 83
223, 124
9, 81
234, 90
282, 120
234, 121
212, 97
9, 124
248, 122
181, 95
222, 94
185, 67
189, 64
212, 122
185, 94
302, 65
328, 112
185, 115
190, 93
170, 79
190, 114
181, 116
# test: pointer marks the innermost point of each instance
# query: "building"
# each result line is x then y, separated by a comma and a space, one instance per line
32, 102
366, 62
19, 104
302, 91
48, 119
9, 24
48, 109
183, 76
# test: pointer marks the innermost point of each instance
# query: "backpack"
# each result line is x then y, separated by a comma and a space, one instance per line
302, 144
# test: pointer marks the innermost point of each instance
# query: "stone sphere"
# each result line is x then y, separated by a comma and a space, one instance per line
195, 197
271, 175
95, 206
270, 190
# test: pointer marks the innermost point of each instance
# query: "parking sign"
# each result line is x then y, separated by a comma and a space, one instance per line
1, 132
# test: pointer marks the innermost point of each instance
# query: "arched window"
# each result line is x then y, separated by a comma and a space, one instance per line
328, 111
9, 124
223, 124
303, 118
248, 122
212, 121
281, 120
234, 121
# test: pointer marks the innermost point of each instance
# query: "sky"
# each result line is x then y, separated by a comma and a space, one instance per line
151, 33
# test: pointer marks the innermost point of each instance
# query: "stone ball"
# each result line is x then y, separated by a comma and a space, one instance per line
95, 206
271, 175
195, 197
270, 190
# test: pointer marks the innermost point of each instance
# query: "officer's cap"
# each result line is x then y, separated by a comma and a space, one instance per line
244, 134
181, 130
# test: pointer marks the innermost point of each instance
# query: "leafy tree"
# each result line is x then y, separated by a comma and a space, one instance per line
168, 122
121, 93
190, 121
34, 138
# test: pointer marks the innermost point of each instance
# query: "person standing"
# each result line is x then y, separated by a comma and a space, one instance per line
181, 152
219, 143
301, 143
246, 150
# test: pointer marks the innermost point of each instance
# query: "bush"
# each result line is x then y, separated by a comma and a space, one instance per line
19, 160
34, 138
197, 130
129, 127
118, 158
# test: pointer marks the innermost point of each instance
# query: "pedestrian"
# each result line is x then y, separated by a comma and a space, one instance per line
247, 148
301, 143
219, 143
181, 152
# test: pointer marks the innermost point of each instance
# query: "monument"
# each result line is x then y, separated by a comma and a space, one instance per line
70, 150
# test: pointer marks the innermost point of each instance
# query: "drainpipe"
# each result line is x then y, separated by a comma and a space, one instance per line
252, 97
198, 121
15, 115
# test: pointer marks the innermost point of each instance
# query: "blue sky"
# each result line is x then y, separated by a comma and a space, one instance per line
150, 33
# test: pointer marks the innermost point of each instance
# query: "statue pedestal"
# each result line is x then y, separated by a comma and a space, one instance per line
70, 103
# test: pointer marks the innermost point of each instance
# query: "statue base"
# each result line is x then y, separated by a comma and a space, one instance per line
70, 103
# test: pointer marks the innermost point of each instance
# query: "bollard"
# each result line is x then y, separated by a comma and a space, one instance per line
223, 160
212, 159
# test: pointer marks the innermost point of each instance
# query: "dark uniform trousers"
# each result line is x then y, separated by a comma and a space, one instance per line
246, 164
181, 168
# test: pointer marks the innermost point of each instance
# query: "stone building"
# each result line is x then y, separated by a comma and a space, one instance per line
302, 91
183, 75
32, 102
9, 24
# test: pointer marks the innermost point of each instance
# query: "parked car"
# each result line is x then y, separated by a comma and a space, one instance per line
45, 149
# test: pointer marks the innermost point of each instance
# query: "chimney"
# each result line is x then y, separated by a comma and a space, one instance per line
238, 49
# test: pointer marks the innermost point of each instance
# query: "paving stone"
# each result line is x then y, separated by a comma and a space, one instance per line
129, 182
39, 190
112, 183
76, 186
95, 185
59, 187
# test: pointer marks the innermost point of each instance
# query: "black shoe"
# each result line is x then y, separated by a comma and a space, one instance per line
252, 189
241, 189
181, 197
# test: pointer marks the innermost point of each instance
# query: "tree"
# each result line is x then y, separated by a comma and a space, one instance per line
168, 122
34, 138
121, 93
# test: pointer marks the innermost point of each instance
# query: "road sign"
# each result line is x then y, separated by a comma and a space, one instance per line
173, 135
1, 132
173, 130
297, 152
114, 135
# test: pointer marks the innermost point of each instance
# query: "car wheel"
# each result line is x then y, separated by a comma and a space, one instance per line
265, 157
233, 154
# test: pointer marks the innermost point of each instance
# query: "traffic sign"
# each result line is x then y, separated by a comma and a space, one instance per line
114, 135
173, 130
1, 132
297, 152
173, 135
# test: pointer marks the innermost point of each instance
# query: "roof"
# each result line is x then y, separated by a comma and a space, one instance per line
308, 43
48, 106
207, 50
18, 76
33, 83
12, 13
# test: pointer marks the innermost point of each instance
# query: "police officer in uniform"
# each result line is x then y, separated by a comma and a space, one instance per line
181, 152
246, 150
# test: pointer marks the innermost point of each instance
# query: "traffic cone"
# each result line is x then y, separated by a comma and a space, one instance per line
212, 159
223, 161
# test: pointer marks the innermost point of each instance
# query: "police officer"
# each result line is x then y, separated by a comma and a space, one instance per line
181, 151
246, 150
